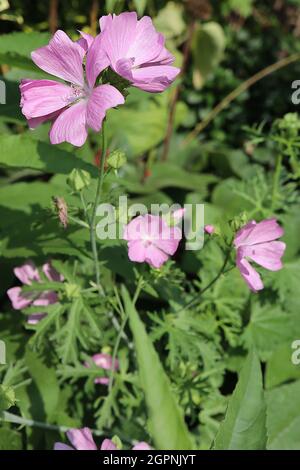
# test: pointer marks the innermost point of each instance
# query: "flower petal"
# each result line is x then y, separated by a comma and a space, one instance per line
107, 444
104, 361
268, 255
18, 300
40, 98
61, 446
62, 58
265, 231
85, 41
155, 257
51, 273
147, 44
169, 240
103, 98
70, 126
96, 61
82, 439
251, 276
155, 78
27, 273
118, 34
136, 251
141, 446
34, 319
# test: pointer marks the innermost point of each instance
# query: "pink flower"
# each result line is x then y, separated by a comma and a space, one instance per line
151, 240
26, 274
256, 241
73, 107
209, 229
82, 439
137, 52
104, 361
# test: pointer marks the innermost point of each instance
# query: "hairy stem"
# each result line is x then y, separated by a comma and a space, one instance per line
94, 212
276, 179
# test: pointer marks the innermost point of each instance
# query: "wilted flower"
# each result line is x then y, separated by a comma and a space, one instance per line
151, 240
82, 439
104, 361
73, 107
137, 52
256, 241
28, 273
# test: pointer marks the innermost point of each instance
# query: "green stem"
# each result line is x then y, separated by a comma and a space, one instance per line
211, 283
94, 212
276, 179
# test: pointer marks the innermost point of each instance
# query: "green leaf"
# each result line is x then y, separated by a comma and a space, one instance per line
244, 426
283, 417
208, 48
167, 425
10, 440
7, 397
20, 151
140, 6
280, 368
170, 21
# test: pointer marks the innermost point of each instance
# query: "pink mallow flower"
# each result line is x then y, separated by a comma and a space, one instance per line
137, 52
151, 240
82, 439
28, 273
104, 361
257, 242
210, 229
76, 105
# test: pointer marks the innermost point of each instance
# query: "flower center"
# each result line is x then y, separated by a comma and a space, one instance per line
77, 93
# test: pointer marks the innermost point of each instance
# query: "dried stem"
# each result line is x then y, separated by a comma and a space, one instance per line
53, 16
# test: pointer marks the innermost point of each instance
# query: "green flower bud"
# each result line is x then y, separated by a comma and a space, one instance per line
116, 159
79, 179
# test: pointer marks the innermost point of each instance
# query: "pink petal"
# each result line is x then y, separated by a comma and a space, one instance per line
268, 255
70, 126
251, 276
40, 98
154, 79
209, 229
165, 57
102, 98
147, 44
102, 381
45, 299
265, 231
97, 60
135, 229
61, 446
36, 318
169, 240
82, 439
27, 273
85, 41
136, 251
124, 68
51, 273
18, 300
35, 122
141, 446
107, 444
119, 34
178, 215
155, 257
62, 58
104, 361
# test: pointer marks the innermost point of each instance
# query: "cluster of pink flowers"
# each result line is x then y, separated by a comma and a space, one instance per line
103, 361
82, 439
132, 48
28, 273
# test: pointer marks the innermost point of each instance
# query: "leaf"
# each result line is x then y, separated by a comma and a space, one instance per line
20, 151
140, 6
169, 21
166, 421
7, 397
283, 417
23, 43
10, 439
280, 367
244, 426
269, 327
208, 47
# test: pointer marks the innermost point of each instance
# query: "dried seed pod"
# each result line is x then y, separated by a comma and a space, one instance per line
61, 210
